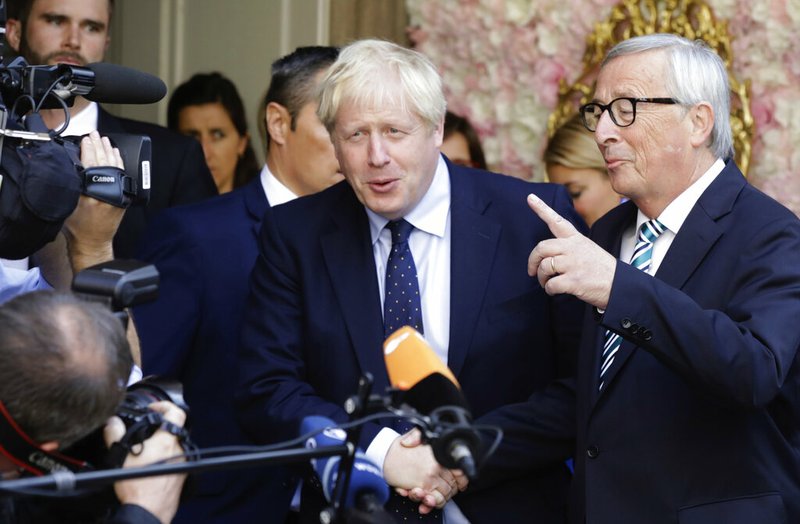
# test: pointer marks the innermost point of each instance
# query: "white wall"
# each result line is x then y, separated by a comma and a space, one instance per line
240, 38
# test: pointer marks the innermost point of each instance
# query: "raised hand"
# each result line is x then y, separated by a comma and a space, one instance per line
570, 263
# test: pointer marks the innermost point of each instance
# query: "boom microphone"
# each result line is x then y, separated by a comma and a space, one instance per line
431, 388
100, 82
116, 84
367, 491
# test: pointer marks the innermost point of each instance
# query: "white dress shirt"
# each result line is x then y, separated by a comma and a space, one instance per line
276, 192
84, 122
673, 217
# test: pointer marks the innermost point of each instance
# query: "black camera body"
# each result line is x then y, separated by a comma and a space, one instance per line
121, 188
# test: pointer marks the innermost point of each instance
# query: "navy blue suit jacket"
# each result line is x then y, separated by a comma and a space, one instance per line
699, 420
204, 253
314, 320
179, 175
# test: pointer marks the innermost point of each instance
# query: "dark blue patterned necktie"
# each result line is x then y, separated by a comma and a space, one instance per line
401, 303
402, 307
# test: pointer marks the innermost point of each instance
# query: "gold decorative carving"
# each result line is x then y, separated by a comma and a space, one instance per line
689, 18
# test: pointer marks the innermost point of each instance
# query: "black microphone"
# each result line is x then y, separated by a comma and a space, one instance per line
116, 84
431, 388
99, 82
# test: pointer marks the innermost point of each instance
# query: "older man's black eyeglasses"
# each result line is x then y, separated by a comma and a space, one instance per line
622, 110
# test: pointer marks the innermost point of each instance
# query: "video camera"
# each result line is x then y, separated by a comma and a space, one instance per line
41, 177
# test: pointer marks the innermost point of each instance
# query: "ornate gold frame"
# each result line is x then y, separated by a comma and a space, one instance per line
690, 18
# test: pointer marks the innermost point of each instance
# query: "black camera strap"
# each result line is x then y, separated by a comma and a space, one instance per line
26, 454
141, 430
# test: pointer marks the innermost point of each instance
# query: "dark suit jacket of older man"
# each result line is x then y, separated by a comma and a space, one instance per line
699, 418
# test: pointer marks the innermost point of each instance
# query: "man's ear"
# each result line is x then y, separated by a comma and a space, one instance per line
279, 122
702, 121
438, 131
13, 33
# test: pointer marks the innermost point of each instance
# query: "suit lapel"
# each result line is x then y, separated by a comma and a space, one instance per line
347, 251
700, 231
473, 242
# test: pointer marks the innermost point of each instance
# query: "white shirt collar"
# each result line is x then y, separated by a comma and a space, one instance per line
84, 122
276, 192
674, 215
430, 214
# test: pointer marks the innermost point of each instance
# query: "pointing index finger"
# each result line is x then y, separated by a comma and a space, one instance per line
560, 227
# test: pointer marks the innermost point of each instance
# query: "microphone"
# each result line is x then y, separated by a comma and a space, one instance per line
99, 82
431, 388
368, 491
115, 84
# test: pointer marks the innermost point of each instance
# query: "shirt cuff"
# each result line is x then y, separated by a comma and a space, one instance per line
136, 375
379, 447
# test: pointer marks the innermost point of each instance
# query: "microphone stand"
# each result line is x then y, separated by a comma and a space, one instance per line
67, 480
355, 406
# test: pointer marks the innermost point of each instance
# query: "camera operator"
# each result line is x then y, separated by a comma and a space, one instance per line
65, 367
77, 32
85, 239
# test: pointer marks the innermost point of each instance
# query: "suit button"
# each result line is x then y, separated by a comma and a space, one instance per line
647, 334
634, 329
592, 452
625, 323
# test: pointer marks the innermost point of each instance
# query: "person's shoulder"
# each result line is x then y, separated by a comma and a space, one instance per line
217, 211
768, 208
491, 180
154, 131
319, 204
507, 188
159, 135
730, 196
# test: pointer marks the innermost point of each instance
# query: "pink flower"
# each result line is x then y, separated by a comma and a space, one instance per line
502, 61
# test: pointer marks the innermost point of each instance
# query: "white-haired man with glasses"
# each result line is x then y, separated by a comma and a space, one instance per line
688, 374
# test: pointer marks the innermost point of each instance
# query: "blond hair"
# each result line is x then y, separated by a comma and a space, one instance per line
573, 146
367, 72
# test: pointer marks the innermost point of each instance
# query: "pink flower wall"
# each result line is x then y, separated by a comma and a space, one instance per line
502, 61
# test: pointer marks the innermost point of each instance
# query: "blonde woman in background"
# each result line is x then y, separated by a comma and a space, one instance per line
573, 160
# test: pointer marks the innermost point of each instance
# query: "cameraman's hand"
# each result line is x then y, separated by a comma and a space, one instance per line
87, 234
90, 229
158, 495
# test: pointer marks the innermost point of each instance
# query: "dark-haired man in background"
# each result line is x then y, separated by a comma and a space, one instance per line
77, 32
204, 253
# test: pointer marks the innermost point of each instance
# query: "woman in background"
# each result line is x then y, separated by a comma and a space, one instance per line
461, 143
208, 107
573, 160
